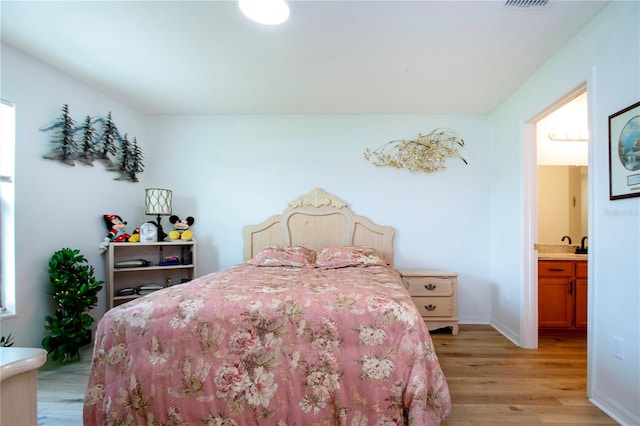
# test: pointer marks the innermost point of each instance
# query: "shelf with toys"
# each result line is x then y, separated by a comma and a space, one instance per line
133, 269
137, 264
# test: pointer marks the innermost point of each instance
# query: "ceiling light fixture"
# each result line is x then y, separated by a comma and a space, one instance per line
267, 12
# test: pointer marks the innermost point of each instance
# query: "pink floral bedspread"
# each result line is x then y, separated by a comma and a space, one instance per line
269, 346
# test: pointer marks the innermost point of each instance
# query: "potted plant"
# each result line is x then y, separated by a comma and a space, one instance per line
75, 290
6, 341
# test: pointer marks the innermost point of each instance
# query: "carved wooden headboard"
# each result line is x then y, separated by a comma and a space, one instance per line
317, 220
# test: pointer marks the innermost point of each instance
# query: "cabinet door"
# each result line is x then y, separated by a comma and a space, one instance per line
555, 302
581, 303
581, 294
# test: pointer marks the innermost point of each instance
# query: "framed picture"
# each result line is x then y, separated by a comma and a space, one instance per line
624, 153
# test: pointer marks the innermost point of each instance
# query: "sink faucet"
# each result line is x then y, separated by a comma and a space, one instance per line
582, 249
566, 237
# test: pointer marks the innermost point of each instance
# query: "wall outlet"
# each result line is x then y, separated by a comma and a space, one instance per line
618, 347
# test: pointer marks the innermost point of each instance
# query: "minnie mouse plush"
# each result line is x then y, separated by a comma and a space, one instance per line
116, 227
181, 231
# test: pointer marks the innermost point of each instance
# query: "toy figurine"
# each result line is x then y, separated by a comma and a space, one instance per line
117, 234
116, 228
181, 231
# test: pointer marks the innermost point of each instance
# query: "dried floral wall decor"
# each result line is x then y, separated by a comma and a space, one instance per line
427, 153
86, 143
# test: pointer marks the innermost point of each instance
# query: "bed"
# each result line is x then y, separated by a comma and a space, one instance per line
314, 327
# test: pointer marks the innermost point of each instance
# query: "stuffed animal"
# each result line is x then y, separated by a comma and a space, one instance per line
116, 227
181, 231
135, 237
116, 231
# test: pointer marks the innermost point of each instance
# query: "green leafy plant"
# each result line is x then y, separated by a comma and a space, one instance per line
75, 290
7, 341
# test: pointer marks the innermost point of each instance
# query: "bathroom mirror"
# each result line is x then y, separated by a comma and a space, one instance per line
562, 204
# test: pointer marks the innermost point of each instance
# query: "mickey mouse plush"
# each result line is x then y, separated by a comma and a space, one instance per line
181, 231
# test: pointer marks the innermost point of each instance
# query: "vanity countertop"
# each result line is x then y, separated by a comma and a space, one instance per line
562, 256
559, 252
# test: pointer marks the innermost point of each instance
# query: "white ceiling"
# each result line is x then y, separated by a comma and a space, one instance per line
330, 57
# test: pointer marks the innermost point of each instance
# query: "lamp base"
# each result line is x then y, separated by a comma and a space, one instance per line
161, 234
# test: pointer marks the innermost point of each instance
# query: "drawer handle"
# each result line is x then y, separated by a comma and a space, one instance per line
430, 307
556, 269
430, 286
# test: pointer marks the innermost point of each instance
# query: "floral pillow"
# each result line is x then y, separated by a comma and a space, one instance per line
296, 256
341, 257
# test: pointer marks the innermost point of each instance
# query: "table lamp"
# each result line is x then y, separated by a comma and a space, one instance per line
158, 203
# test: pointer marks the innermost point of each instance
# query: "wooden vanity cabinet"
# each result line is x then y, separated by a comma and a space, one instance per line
562, 297
581, 295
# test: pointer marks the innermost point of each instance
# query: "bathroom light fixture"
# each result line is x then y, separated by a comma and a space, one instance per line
267, 12
569, 136
158, 202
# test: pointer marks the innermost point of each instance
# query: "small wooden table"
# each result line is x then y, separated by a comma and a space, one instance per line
19, 384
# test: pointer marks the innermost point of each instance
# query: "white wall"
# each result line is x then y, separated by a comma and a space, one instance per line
228, 171
220, 166
606, 54
58, 205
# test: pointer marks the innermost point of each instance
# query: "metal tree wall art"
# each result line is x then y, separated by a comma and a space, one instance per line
130, 160
85, 144
88, 153
427, 153
107, 139
63, 137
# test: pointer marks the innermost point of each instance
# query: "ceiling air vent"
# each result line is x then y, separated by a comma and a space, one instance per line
525, 4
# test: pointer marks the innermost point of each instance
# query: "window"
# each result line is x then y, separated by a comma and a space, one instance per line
7, 236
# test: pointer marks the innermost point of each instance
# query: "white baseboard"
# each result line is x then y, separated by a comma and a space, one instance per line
506, 332
614, 410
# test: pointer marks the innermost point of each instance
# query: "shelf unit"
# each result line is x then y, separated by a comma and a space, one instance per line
132, 278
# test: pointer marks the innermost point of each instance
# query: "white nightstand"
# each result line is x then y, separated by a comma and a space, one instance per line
19, 384
435, 296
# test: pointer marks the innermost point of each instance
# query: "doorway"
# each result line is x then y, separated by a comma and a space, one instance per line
562, 139
563, 143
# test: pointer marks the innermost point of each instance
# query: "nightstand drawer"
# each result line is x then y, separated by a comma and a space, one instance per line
434, 306
429, 286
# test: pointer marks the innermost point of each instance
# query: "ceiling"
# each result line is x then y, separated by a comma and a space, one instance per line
330, 57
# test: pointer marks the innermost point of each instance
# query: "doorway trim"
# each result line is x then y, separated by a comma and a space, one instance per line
529, 319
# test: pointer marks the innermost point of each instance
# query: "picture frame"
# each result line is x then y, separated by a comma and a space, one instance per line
624, 153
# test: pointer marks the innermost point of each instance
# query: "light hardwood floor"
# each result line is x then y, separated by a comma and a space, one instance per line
491, 381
